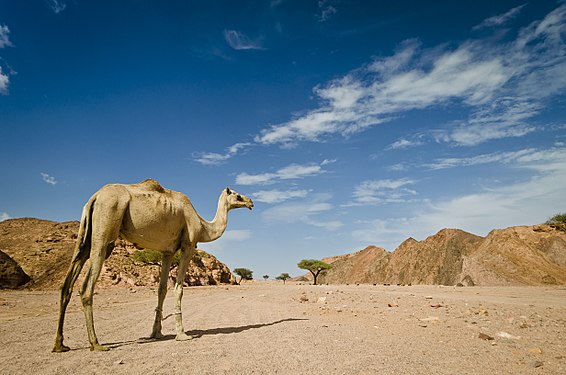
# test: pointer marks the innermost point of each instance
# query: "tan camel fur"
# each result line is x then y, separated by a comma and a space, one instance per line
151, 217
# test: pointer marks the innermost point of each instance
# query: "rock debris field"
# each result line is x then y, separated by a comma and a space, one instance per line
271, 328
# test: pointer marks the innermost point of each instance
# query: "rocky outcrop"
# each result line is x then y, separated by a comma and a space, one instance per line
11, 274
44, 249
512, 256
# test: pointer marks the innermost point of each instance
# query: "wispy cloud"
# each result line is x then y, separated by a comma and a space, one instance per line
278, 196
239, 41
290, 172
5, 37
4, 42
4, 82
504, 85
213, 158
56, 6
500, 19
375, 192
304, 212
4, 216
496, 157
48, 179
327, 10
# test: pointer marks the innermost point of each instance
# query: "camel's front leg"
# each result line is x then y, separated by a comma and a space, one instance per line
161, 293
181, 272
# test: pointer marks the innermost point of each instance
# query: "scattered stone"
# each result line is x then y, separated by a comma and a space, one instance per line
535, 350
119, 362
430, 319
523, 325
321, 300
436, 305
303, 298
537, 364
428, 297
506, 335
392, 305
484, 336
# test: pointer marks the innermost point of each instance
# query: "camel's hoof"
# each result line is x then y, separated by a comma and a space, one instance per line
60, 348
156, 335
98, 348
183, 337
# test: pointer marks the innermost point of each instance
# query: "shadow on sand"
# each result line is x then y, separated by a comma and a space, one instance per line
196, 334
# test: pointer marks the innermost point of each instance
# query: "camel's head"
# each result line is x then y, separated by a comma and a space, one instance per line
236, 200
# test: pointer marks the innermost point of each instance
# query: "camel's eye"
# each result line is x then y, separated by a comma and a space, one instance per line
239, 198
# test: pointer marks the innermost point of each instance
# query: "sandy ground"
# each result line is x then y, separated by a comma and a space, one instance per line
271, 328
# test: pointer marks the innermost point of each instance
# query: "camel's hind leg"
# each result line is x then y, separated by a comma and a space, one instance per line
79, 259
106, 222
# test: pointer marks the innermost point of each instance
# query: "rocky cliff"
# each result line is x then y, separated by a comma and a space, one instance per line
44, 249
513, 256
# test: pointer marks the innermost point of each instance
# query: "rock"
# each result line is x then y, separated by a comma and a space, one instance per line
537, 364
535, 350
303, 298
484, 336
506, 335
11, 274
321, 300
392, 305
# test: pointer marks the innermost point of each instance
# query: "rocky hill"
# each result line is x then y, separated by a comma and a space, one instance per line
44, 249
513, 256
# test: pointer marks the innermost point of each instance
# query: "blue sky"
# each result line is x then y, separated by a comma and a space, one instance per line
349, 123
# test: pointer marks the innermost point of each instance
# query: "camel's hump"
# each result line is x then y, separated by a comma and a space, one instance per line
151, 184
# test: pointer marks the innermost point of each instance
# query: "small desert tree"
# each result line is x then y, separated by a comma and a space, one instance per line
314, 266
265, 277
283, 276
558, 222
244, 273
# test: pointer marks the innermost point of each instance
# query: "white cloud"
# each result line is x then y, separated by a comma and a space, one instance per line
404, 143
4, 37
239, 41
504, 85
499, 19
327, 10
375, 192
496, 157
4, 216
4, 82
48, 179
213, 158
293, 171
303, 212
278, 196
56, 6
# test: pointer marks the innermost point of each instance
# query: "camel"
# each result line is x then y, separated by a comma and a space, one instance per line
151, 217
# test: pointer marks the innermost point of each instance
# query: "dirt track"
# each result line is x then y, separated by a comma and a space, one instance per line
268, 328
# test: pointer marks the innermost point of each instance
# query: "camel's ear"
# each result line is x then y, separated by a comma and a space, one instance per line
228, 191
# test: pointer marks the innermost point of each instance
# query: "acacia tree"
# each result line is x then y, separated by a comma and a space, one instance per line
558, 221
244, 273
314, 266
283, 276
265, 277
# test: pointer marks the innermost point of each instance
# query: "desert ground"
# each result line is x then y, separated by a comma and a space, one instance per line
270, 328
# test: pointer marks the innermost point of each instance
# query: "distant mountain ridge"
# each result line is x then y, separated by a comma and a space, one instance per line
522, 255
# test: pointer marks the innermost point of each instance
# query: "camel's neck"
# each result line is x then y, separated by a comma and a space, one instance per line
212, 230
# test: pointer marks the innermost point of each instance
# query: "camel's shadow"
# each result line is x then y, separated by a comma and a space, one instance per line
196, 334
